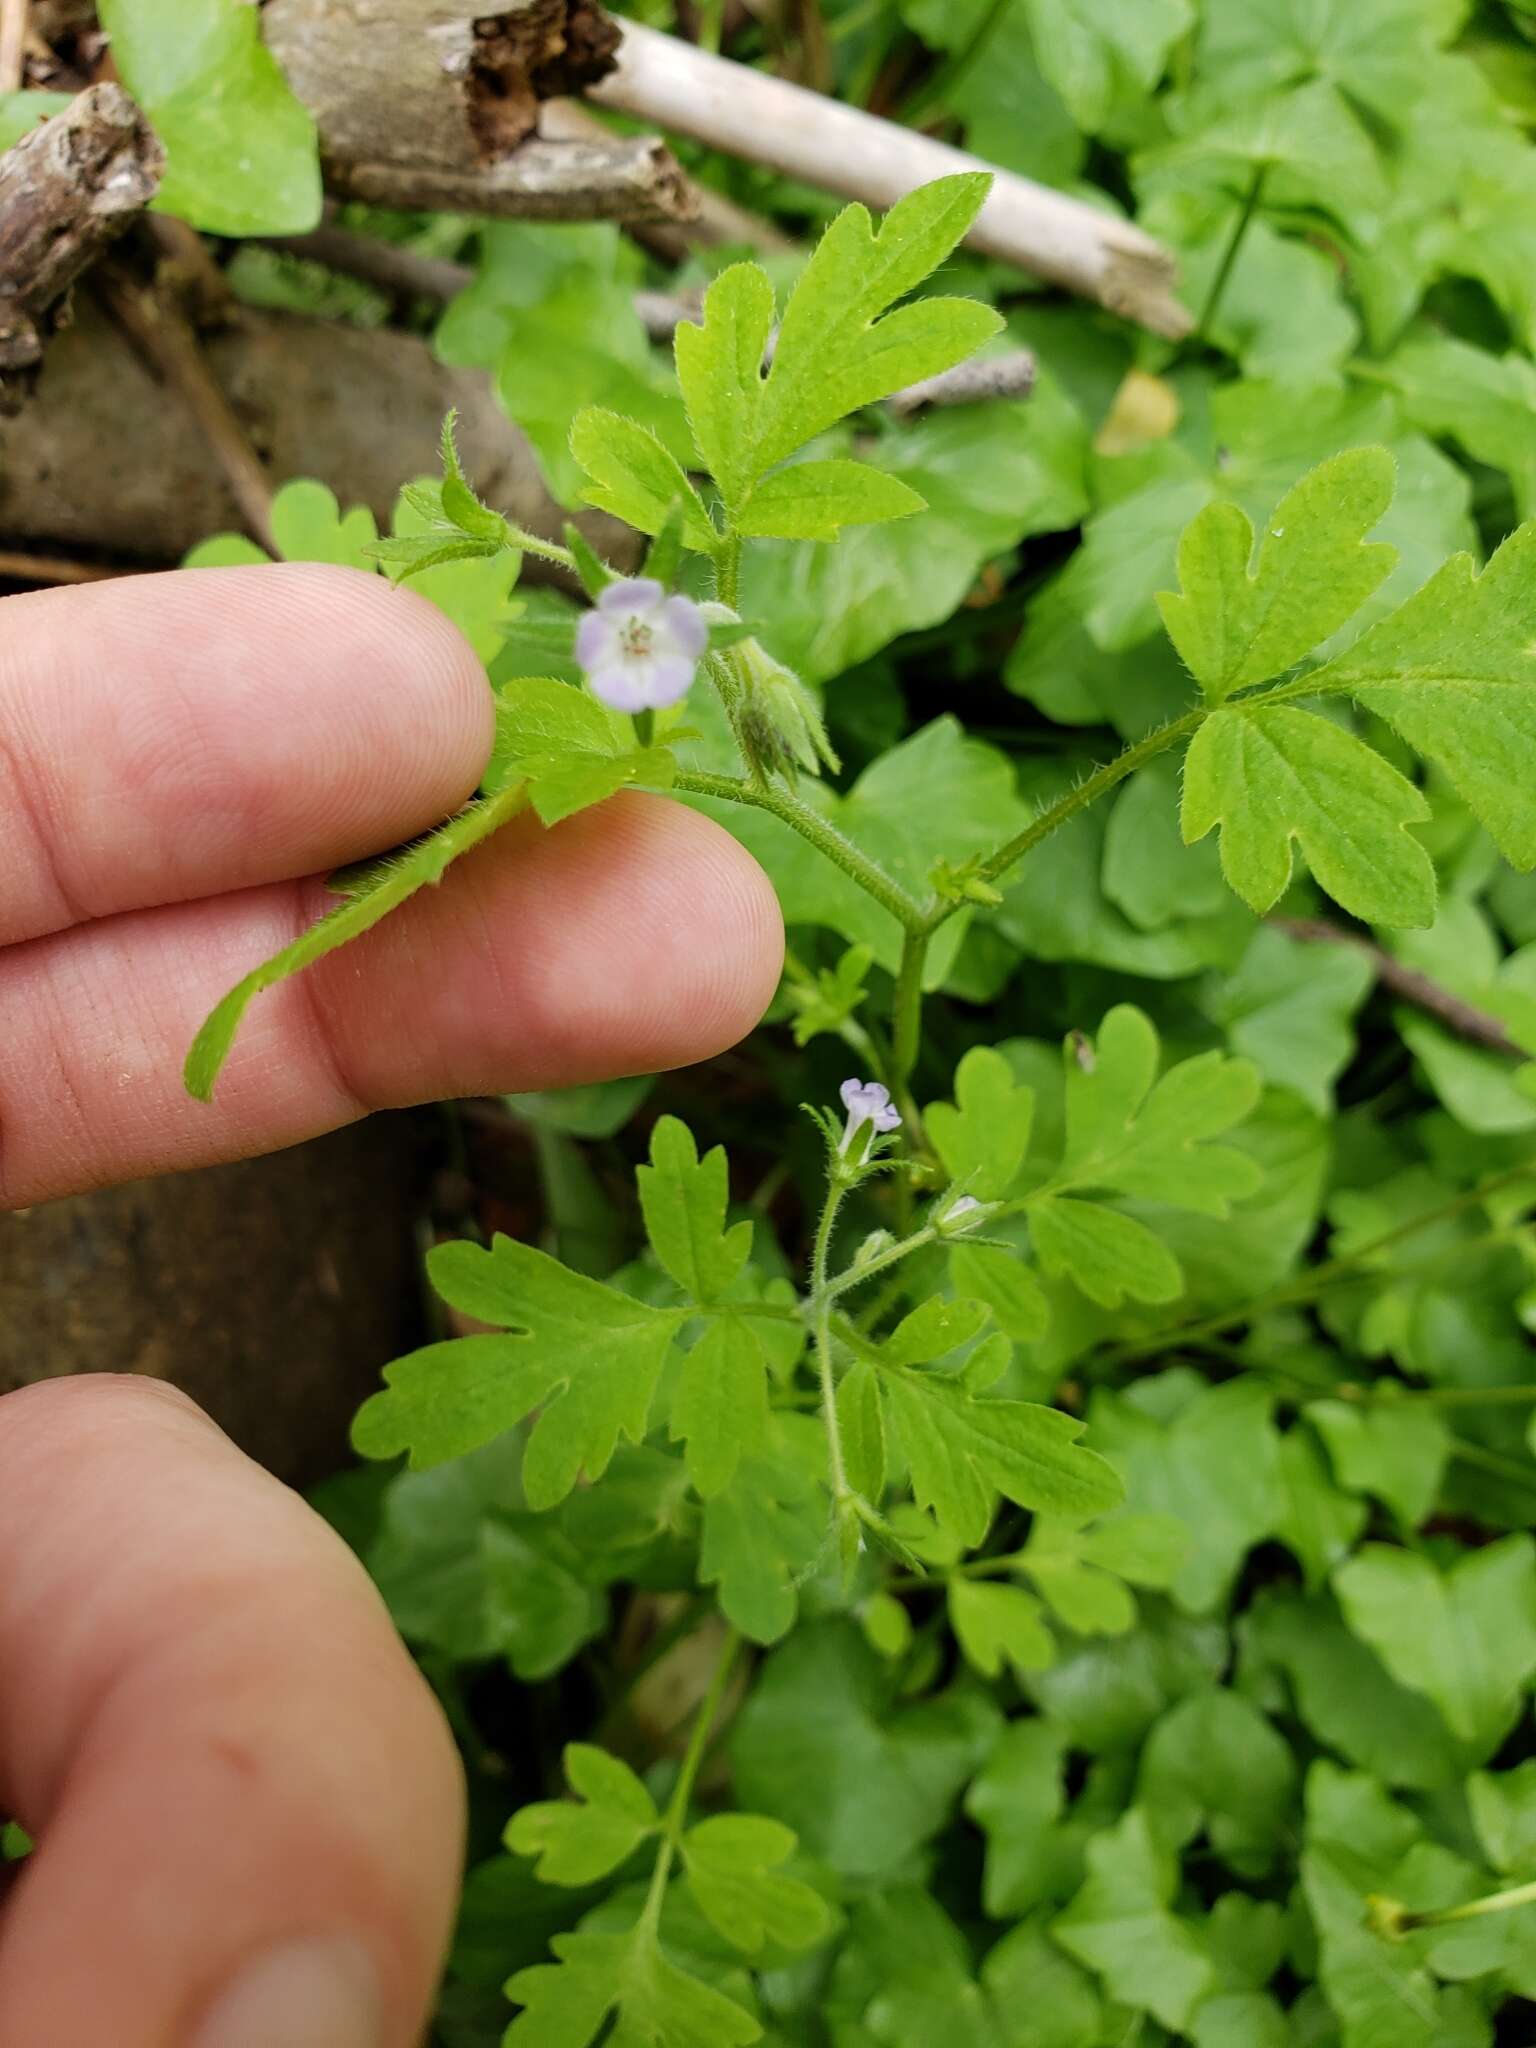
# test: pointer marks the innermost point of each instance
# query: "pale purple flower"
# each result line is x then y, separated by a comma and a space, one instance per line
867, 1102
639, 646
963, 1214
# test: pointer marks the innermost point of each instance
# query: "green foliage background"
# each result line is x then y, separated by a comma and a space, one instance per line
1096, 1739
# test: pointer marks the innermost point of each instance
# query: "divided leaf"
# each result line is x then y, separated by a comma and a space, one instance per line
578, 1843
1454, 670
835, 353
587, 1357
683, 1199
1236, 625
569, 749
566, 2003
720, 1408
1270, 774
816, 500
962, 1453
1136, 1134
983, 1135
636, 479
731, 1862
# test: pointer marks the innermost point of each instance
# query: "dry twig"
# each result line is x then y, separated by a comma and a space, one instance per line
842, 149
14, 23
66, 190
1466, 1020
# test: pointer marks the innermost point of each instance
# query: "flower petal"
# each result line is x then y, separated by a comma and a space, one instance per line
597, 640
622, 685
670, 676
685, 622
631, 594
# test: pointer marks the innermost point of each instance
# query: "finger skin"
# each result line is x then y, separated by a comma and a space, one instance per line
631, 938
207, 1722
172, 736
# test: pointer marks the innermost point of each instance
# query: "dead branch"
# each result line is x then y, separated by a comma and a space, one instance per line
1003, 376
155, 322
100, 462
404, 274
430, 104
66, 190
14, 23
842, 149
1466, 1020
17, 567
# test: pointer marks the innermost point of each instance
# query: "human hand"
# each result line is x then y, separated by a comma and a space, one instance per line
240, 1787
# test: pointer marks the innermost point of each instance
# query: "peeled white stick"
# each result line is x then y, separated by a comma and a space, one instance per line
842, 149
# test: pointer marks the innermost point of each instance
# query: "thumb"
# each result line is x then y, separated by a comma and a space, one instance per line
246, 1804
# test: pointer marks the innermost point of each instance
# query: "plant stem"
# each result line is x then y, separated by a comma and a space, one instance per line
1495, 1902
676, 1815
825, 837
550, 551
856, 1276
1450, 1397
907, 1012
1229, 255
1319, 1279
728, 571
1077, 799
821, 1302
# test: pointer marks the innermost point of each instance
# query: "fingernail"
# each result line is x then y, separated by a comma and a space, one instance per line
320, 1993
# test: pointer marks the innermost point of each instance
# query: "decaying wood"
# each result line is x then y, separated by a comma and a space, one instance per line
66, 190
1001, 376
17, 566
712, 220
431, 104
272, 1291
100, 461
842, 149
153, 319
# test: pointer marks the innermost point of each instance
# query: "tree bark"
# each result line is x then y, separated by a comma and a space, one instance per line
105, 460
66, 190
435, 105
273, 1291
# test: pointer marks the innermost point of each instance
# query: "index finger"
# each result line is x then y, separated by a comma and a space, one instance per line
179, 735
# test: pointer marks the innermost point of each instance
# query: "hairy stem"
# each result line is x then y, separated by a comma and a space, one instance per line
728, 571
857, 1275
826, 838
675, 1818
821, 1304
1077, 799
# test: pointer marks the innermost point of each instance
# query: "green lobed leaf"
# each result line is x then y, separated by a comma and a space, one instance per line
962, 1453
1107, 1255
732, 1860
765, 1529
816, 500
720, 1406
1465, 1638
568, 750
658, 2006
1270, 774
683, 1200
587, 1357
576, 1843
835, 352
1236, 625
997, 1625
1122, 1927
636, 478
241, 151
983, 1135
720, 370
1454, 670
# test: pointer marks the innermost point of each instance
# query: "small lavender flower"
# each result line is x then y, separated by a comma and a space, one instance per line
963, 1214
640, 647
866, 1102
